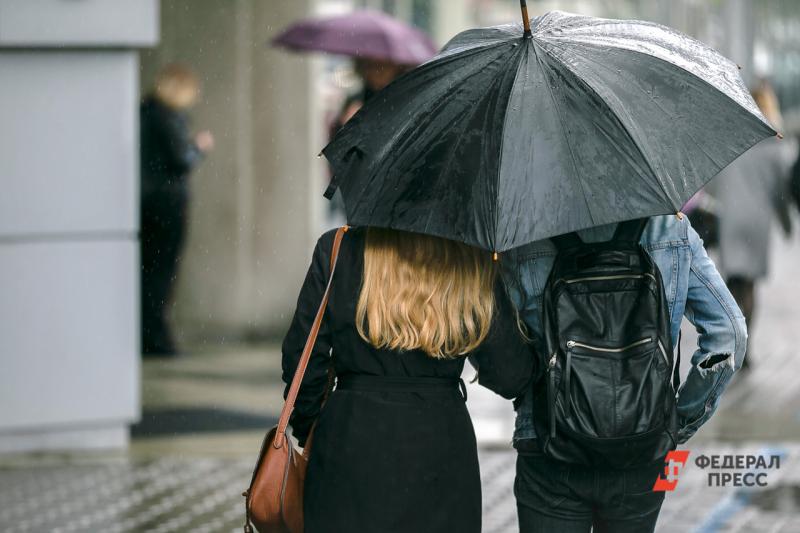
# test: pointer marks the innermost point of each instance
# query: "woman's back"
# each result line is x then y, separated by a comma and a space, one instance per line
394, 448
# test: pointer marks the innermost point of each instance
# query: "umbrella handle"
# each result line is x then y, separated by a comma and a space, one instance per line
526, 22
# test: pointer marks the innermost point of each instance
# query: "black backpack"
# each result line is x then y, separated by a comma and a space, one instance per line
607, 398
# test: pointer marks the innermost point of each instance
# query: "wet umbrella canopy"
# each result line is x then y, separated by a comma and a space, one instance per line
509, 136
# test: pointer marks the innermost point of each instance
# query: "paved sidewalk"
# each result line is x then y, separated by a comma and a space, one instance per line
174, 494
692, 507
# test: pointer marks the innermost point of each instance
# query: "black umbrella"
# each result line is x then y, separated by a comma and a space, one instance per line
511, 135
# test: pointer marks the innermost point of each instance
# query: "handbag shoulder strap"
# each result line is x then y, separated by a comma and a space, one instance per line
288, 406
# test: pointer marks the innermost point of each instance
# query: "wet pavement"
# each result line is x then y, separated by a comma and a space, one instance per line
202, 494
204, 416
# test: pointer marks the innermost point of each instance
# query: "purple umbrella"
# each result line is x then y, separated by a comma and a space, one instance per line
362, 33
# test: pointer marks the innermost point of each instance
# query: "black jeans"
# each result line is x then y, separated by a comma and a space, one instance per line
555, 496
163, 221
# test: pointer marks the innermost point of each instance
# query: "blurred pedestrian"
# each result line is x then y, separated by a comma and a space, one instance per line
795, 184
375, 74
382, 47
393, 446
752, 193
168, 155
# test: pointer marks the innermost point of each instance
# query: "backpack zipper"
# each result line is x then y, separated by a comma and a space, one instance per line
604, 278
664, 353
571, 344
567, 391
550, 394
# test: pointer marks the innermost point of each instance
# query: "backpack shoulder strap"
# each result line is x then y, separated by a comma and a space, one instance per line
630, 230
676, 371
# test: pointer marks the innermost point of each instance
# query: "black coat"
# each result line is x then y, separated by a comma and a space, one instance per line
168, 153
389, 459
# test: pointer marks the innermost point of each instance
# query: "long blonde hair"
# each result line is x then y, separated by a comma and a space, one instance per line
767, 101
423, 292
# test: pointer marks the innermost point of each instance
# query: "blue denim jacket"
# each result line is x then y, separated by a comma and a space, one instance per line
693, 288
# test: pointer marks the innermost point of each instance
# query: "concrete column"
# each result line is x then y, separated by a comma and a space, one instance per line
288, 133
740, 36
69, 350
451, 18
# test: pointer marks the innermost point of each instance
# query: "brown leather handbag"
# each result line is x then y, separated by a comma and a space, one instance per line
274, 501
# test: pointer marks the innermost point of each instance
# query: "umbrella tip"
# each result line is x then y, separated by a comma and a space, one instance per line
679, 215
494, 256
779, 135
739, 66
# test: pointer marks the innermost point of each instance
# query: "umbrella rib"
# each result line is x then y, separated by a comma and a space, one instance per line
472, 111
624, 126
651, 56
654, 101
500, 158
737, 105
451, 157
353, 124
563, 131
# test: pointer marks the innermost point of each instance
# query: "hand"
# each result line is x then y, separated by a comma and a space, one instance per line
204, 141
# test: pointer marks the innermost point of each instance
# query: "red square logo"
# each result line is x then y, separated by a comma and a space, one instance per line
673, 464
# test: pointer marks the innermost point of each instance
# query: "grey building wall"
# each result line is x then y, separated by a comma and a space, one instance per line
69, 357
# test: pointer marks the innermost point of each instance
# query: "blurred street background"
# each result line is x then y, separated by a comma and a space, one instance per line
95, 434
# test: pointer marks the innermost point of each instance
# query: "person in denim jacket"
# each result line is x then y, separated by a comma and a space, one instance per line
557, 497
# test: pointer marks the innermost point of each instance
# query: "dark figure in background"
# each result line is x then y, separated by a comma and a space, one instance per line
168, 154
795, 183
375, 74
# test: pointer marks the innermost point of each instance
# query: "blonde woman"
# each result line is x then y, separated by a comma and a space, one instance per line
394, 449
168, 155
